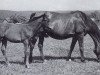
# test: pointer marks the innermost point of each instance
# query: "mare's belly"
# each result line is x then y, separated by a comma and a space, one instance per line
62, 27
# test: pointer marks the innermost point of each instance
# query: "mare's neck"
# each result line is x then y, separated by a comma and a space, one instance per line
95, 34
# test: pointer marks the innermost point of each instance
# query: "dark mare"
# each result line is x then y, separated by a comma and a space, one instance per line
21, 33
74, 25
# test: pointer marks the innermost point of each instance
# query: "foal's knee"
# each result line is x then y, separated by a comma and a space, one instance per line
40, 45
27, 52
2, 48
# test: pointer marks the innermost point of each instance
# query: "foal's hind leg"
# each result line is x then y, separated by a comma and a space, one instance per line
3, 49
40, 45
74, 40
32, 43
81, 46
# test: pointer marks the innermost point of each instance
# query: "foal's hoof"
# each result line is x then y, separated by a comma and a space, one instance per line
26, 66
83, 60
7, 64
41, 61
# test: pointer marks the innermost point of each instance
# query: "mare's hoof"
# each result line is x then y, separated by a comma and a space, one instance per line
98, 60
38, 61
69, 60
30, 61
45, 60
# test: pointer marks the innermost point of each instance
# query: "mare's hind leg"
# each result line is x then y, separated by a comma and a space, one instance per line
81, 46
40, 45
74, 40
32, 43
3, 49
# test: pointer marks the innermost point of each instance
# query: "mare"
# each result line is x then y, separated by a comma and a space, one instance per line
20, 33
74, 25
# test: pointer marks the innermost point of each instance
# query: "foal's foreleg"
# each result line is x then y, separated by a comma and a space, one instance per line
27, 53
3, 49
74, 40
32, 44
40, 45
81, 46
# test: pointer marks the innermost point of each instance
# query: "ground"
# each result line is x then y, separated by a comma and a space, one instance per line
55, 52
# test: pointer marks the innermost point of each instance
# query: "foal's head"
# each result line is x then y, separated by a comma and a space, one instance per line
45, 21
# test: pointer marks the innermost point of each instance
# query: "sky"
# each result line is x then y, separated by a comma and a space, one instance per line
49, 5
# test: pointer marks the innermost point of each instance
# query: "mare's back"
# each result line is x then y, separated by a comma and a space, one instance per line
59, 23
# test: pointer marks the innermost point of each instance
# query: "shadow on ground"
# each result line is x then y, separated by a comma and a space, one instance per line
62, 57
38, 58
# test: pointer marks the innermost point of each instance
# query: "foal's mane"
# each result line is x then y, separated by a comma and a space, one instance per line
35, 19
31, 24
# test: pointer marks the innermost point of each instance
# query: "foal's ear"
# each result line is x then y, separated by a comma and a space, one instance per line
44, 14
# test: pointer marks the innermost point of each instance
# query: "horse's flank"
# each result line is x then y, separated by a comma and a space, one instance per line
76, 25
18, 32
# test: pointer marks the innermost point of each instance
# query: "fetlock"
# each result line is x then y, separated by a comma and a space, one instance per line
30, 59
83, 59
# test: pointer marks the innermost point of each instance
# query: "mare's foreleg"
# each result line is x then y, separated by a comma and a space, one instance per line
40, 45
3, 49
81, 46
74, 40
32, 44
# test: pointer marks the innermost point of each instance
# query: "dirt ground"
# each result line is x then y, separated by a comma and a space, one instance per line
55, 52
